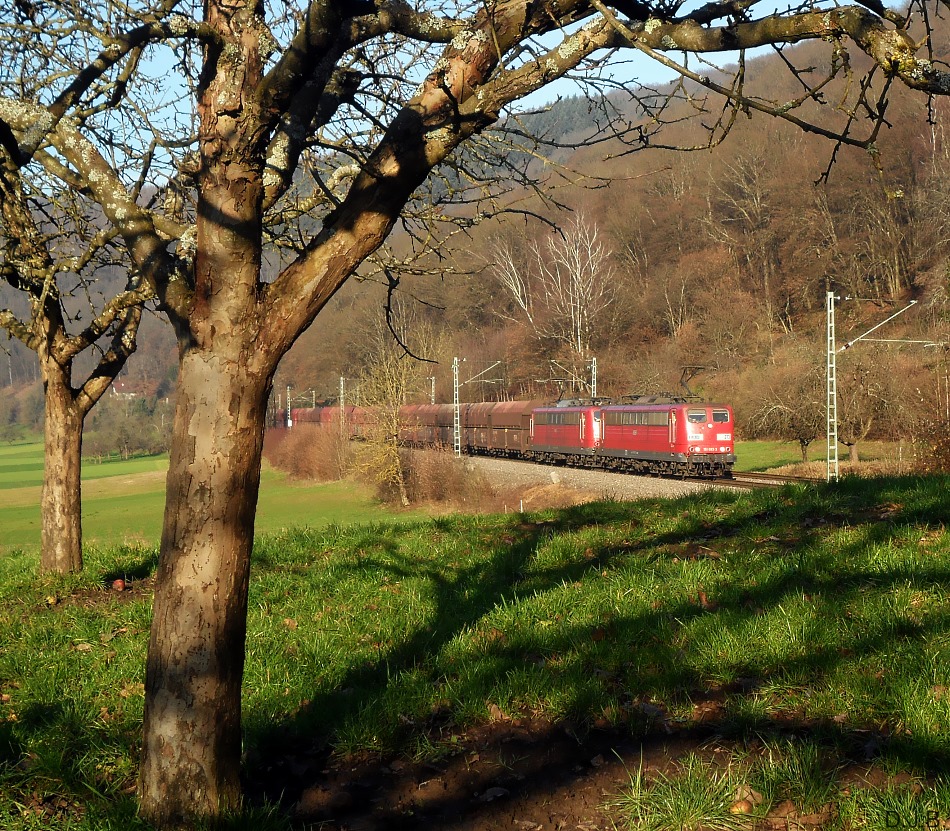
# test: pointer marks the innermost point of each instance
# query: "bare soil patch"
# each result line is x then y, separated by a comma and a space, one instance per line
525, 775
521, 774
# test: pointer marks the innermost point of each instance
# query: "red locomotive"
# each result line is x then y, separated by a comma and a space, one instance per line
570, 434
679, 438
653, 435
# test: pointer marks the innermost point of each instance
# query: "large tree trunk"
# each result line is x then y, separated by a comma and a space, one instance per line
191, 760
61, 536
192, 731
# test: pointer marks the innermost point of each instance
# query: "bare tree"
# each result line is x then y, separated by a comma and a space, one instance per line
53, 274
791, 405
562, 286
866, 397
391, 378
318, 127
740, 216
883, 254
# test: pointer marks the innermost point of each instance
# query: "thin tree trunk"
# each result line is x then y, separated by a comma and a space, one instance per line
401, 481
61, 534
192, 731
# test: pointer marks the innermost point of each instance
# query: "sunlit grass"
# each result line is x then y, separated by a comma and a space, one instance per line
696, 796
763, 455
811, 622
124, 500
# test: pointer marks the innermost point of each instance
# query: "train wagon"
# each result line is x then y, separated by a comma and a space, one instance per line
475, 426
314, 415
427, 425
565, 434
509, 429
673, 438
356, 420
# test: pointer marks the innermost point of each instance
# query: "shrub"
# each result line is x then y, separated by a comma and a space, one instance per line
440, 477
311, 451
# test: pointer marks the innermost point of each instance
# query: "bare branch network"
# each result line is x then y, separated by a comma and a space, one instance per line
106, 103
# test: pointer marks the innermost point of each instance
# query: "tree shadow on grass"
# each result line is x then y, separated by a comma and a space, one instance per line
633, 681
645, 665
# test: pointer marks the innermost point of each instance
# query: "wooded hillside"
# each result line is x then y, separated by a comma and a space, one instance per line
710, 265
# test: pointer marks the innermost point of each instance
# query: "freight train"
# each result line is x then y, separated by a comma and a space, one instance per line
661, 436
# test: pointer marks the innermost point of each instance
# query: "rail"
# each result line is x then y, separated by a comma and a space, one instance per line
755, 479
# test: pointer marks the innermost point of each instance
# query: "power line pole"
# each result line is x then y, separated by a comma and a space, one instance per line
456, 415
831, 401
342, 405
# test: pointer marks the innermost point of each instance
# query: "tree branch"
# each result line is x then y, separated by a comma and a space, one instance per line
176, 27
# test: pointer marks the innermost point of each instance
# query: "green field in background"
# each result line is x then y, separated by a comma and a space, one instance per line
123, 500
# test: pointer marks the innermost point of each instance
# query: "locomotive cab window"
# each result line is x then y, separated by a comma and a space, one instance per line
696, 416
720, 416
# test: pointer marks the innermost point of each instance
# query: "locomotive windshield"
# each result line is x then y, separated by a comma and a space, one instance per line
720, 416
696, 416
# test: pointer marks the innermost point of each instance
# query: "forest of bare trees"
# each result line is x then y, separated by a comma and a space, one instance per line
717, 263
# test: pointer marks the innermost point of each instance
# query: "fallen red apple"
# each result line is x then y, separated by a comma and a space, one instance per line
118, 585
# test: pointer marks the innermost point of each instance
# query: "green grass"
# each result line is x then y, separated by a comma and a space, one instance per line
21, 466
815, 619
695, 796
123, 500
763, 455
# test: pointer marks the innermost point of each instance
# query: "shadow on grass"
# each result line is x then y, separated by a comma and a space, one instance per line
637, 661
632, 680
139, 569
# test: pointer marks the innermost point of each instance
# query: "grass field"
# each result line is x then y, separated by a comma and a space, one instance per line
123, 500
805, 631
764, 455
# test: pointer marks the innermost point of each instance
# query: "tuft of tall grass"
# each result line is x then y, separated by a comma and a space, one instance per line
695, 796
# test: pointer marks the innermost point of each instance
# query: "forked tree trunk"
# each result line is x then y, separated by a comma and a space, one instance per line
803, 446
191, 759
60, 505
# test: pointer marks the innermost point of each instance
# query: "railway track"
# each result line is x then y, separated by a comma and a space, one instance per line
750, 480
740, 480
